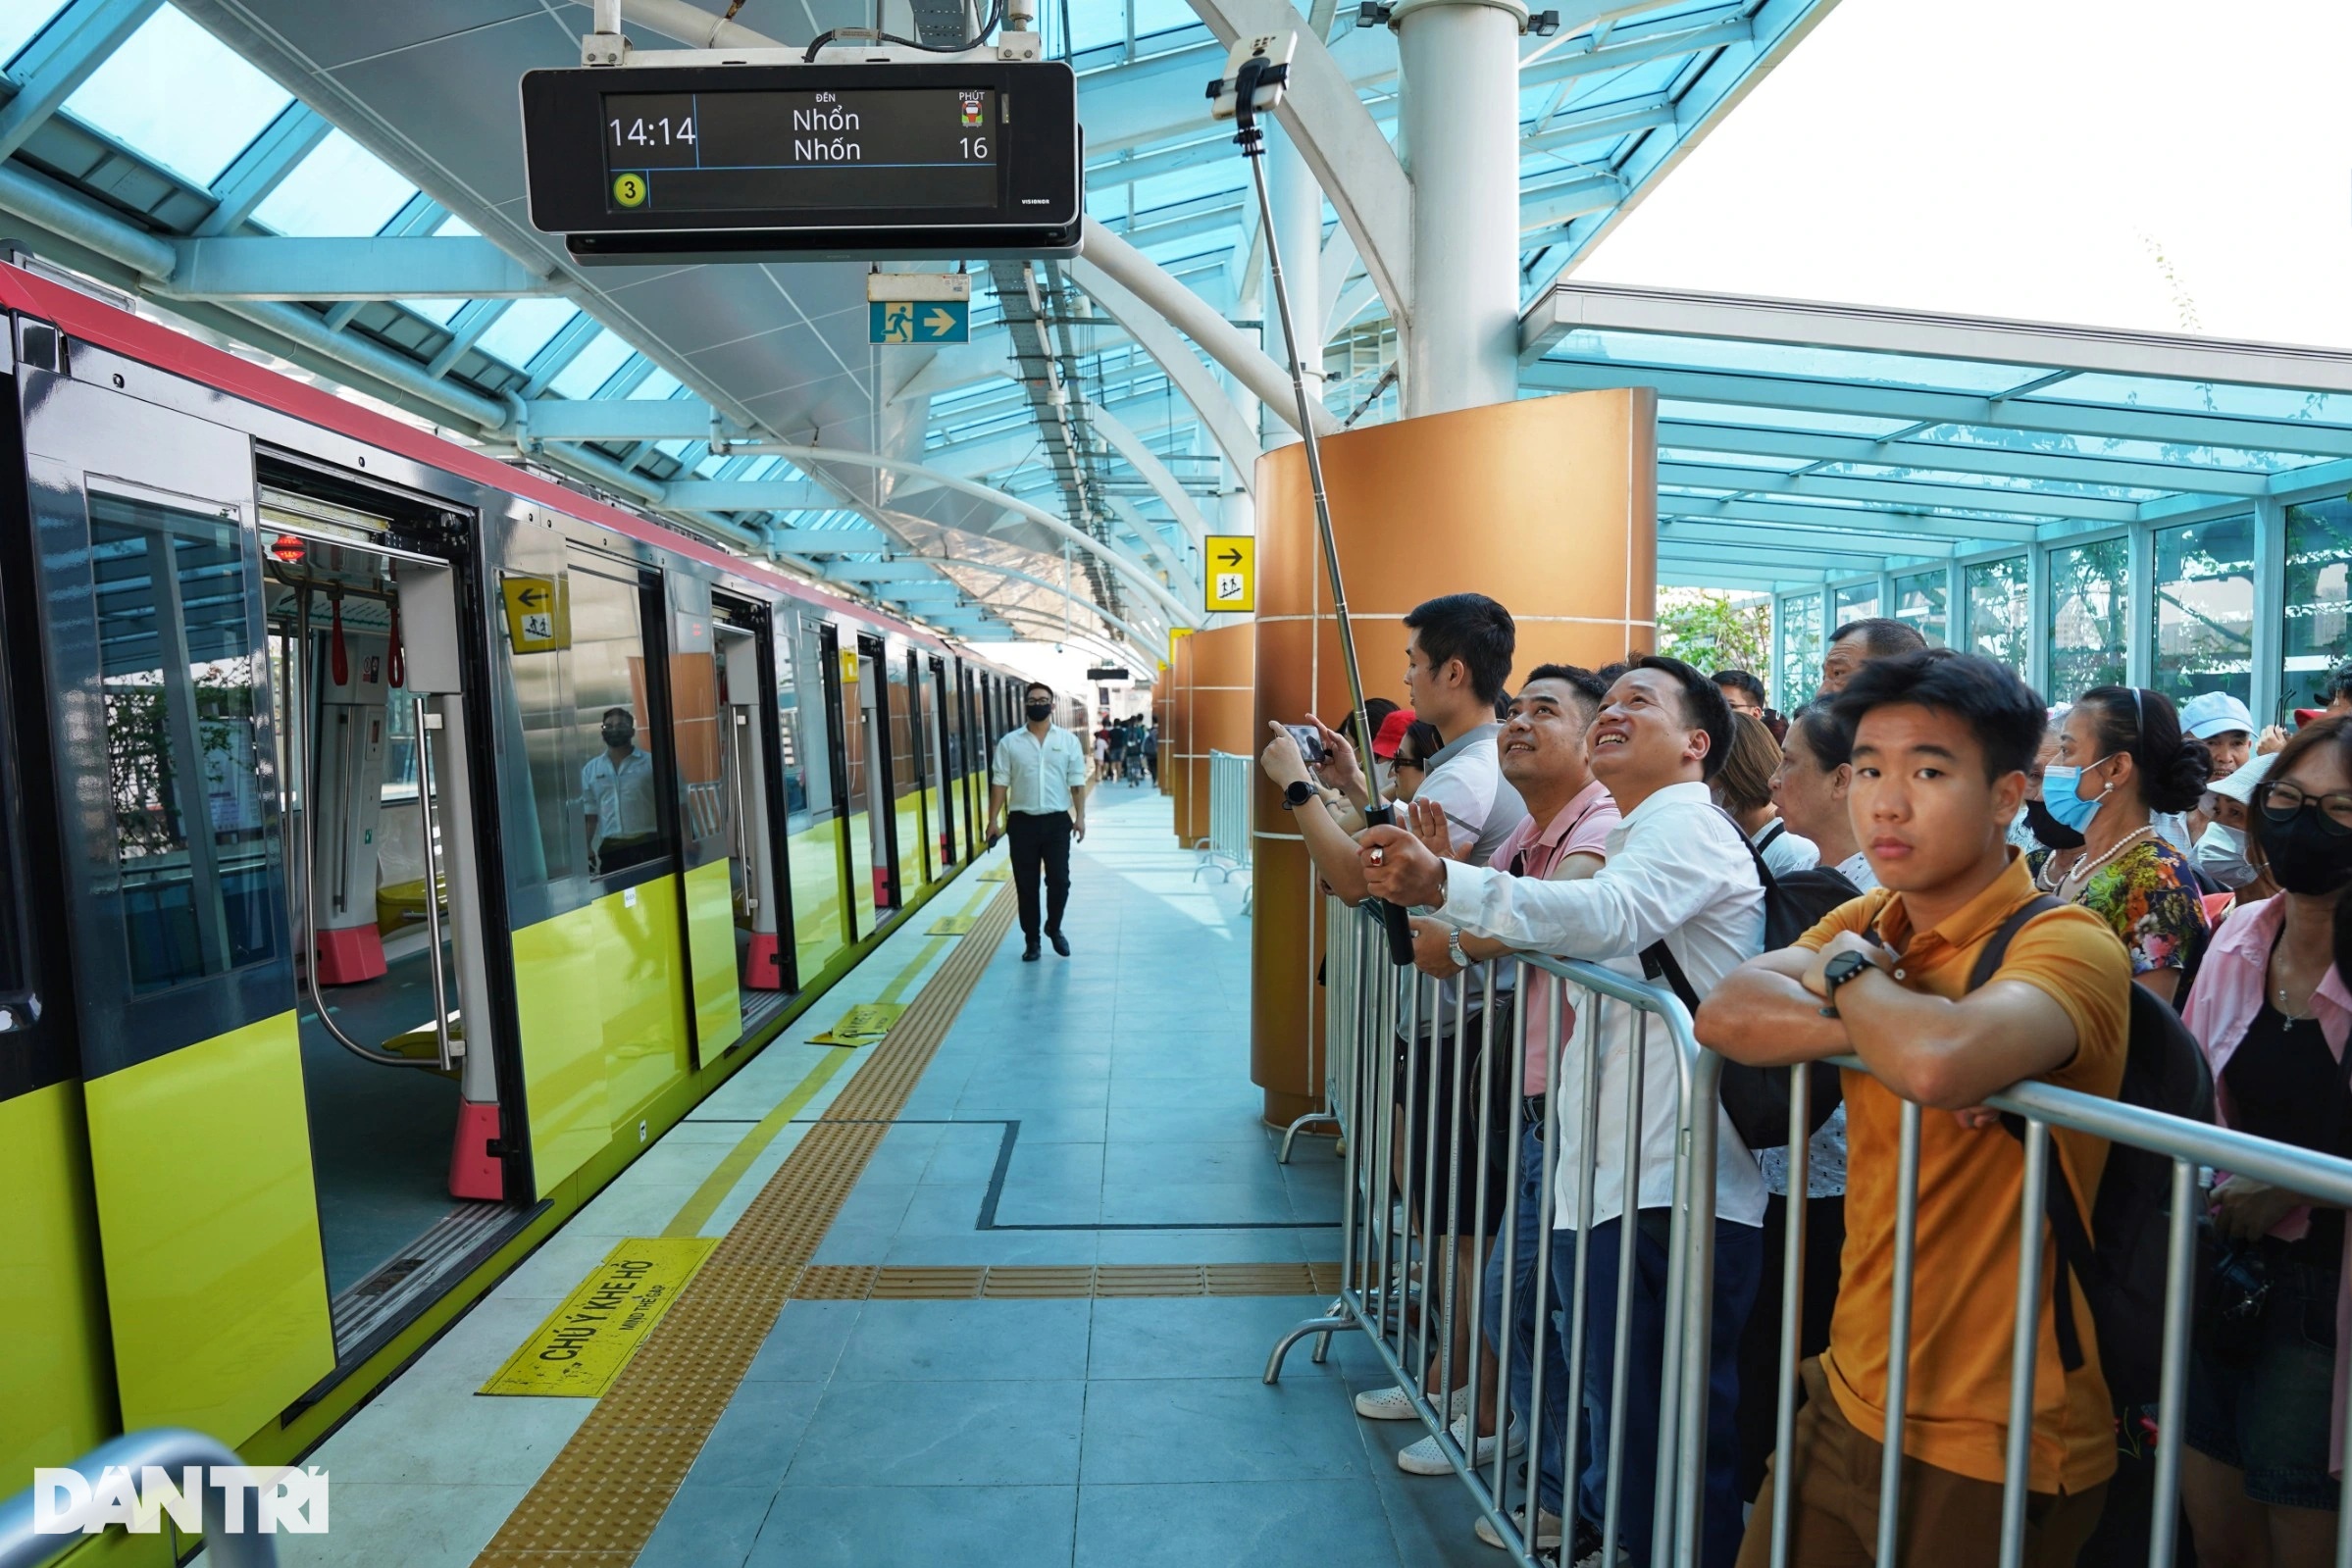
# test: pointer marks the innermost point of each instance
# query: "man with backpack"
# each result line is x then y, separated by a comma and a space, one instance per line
1952, 980
1680, 877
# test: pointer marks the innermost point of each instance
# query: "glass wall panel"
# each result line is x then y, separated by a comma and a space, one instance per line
2089, 614
1800, 651
1858, 602
2319, 593
1920, 602
2205, 608
1997, 610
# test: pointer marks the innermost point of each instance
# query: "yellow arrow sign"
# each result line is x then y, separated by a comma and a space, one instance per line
1229, 578
538, 618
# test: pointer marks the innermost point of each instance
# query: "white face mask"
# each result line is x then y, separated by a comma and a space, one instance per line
2222, 855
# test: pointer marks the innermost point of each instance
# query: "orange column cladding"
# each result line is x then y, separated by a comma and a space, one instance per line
1549, 505
1223, 702
1176, 746
1163, 721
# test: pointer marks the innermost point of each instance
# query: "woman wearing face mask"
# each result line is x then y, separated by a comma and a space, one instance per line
2044, 839
2272, 1012
2225, 854
2121, 757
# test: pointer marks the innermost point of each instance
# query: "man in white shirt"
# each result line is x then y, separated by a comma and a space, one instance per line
1678, 873
1039, 771
618, 796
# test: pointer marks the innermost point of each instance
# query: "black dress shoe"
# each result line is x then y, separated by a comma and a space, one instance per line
1029, 954
1061, 943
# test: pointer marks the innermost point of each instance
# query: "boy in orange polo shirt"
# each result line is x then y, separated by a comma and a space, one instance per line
1941, 745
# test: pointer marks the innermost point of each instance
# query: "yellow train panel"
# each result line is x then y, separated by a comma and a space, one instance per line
215, 1286
710, 940
53, 1382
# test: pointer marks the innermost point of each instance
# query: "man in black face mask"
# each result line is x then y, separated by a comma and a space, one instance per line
1040, 772
618, 796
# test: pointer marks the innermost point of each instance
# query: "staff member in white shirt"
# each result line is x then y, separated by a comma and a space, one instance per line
617, 793
1677, 873
1040, 772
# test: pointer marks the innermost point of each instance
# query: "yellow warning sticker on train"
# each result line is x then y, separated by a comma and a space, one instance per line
1230, 583
950, 926
849, 667
538, 618
585, 1342
861, 1025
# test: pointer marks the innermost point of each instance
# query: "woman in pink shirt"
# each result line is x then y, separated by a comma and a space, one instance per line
2270, 1007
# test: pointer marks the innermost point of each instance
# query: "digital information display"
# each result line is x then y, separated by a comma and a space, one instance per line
961, 159
768, 151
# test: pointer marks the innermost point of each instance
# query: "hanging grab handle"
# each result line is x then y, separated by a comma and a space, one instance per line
395, 661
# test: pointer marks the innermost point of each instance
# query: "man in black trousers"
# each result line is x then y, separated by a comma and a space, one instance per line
1040, 772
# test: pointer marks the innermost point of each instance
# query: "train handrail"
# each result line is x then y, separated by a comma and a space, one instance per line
168, 1447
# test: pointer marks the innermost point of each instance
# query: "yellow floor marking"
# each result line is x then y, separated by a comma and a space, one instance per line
950, 926
698, 1210
585, 1342
862, 1025
596, 1504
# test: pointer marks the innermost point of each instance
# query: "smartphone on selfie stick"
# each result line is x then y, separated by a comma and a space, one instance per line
1252, 84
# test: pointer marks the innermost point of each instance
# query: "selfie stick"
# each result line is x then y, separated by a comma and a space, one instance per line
1255, 85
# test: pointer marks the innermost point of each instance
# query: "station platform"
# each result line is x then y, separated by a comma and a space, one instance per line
1025, 1302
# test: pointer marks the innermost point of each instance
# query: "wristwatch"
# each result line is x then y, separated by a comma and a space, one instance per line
1298, 792
1461, 960
1839, 970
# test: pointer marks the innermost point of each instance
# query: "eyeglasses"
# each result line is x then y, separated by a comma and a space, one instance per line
2280, 802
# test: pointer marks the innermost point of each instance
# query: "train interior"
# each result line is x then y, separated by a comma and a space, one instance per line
364, 816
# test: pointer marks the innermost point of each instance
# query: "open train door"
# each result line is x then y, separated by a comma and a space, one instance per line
169, 834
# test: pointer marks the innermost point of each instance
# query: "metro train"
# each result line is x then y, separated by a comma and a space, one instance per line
394, 841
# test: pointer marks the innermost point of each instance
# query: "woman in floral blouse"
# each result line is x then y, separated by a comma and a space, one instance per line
2122, 756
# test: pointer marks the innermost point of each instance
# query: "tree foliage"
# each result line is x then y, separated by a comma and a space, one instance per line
1717, 631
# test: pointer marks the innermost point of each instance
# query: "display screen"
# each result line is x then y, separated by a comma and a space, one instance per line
747, 151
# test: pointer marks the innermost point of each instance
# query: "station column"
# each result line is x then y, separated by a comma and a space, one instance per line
1459, 122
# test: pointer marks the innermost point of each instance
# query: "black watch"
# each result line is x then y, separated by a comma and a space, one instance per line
1298, 792
1839, 970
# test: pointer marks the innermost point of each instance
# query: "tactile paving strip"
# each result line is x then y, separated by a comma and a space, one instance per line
598, 1502
864, 1281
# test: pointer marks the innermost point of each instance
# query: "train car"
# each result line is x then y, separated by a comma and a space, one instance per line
393, 843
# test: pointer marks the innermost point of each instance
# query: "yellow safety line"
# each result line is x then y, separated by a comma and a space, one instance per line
599, 1500
696, 1211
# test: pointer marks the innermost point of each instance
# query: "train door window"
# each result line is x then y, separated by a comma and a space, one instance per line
182, 691
811, 808
613, 736
869, 858
918, 788
909, 858
942, 776
750, 791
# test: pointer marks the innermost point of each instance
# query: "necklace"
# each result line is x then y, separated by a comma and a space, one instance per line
2082, 875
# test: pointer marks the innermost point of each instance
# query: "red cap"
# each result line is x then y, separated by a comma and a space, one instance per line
1392, 734
2303, 716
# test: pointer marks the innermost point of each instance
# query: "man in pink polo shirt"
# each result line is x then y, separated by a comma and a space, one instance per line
1564, 836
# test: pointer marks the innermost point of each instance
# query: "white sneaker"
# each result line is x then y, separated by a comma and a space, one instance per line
1427, 1458
1547, 1529
1601, 1558
1395, 1404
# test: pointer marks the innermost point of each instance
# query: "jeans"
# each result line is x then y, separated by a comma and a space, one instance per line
1521, 1249
1738, 1262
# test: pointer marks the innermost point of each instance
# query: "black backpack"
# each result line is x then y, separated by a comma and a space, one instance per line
1756, 1098
2121, 1274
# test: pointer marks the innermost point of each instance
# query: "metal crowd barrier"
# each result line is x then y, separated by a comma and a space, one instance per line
2194, 1148
1388, 1044
1401, 1278
1226, 849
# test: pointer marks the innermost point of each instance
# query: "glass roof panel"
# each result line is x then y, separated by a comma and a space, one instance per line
1777, 464
658, 383
434, 310
175, 94
339, 189
1788, 359
589, 369
2189, 458
2005, 481
1780, 419
455, 228
523, 329
22, 21
2202, 397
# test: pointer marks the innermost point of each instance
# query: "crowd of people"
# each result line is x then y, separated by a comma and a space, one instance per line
1928, 867
1127, 750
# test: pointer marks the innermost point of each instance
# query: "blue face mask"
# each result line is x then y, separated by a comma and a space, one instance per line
2060, 801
